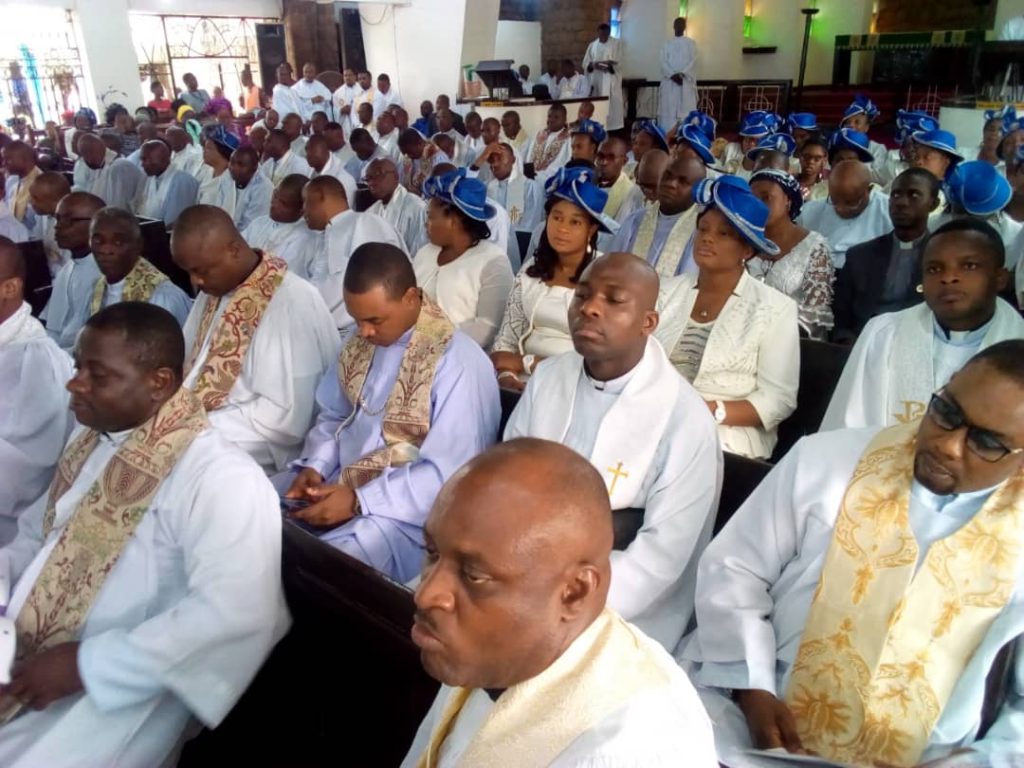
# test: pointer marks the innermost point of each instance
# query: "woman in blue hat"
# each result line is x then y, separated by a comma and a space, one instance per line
1015, 175
216, 186
976, 189
468, 276
755, 126
802, 269
536, 321
936, 151
734, 338
992, 135
859, 116
773, 151
647, 135
812, 175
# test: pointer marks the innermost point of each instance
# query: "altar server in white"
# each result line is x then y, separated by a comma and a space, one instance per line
900, 358
99, 171
311, 95
618, 401
252, 190
139, 604
677, 96
283, 232
280, 160
323, 162
403, 210
166, 191
512, 619
601, 62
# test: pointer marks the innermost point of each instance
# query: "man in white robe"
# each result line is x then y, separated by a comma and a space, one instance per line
769, 582
283, 232
507, 186
340, 149
900, 358
601, 63
252, 190
185, 156
279, 159
292, 126
323, 162
256, 382
853, 214
22, 171
344, 100
283, 98
540, 671
173, 605
399, 208
10, 227
311, 95
166, 191
572, 84
384, 96
34, 419
366, 151
46, 192
101, 172
387, 135
618, 401
327, 210
677, 95
544, 155
624, 196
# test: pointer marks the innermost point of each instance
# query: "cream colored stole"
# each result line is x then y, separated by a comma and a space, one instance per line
675, 245
20, 198
406, 419
884, 646
617, 194
535, 721
139, 285
543, 154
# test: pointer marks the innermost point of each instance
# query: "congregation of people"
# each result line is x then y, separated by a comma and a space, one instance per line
509, 369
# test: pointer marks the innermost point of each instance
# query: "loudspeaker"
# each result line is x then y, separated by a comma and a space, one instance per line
270, 49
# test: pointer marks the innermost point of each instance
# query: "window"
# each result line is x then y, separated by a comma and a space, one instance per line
616, 21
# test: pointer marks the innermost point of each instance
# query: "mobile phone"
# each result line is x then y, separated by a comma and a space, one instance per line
291, 505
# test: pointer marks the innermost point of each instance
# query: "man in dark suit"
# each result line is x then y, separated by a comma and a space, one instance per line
882, 275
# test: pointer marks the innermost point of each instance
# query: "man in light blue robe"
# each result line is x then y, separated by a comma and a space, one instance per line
252, 190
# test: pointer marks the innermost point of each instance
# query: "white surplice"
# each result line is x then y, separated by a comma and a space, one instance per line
842, 234
166, 296
389, 143
252, 201
44, 228
285, 101
335, 167
116, 182
219, 191
665, 426
164, 197
304, 93
381, 101
758, 577
68, 307
270, 407
189, 160
182, 623
604, 83
901, 358
678, 57
345, 96
288, 240
34, 416
275, 171
407, 214
10, 227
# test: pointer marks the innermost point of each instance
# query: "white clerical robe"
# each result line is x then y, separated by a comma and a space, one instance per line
285, 101
510, 193
901, 358
345, 96
652, 727
678, 57
842, 234
270, 407
166, 296
181, 625
575, 87
34, 416
407, 214
252, 201
116, 182
325, 267
304, 93
44, 228
68, 307
219, 191
10, 227
164, 197
381, 101
298, 146
389, 143
336, 167
17, 198
604, 83
275, 171
661, 446
356, 166
189, 160
758, 577
288, 240
624, 199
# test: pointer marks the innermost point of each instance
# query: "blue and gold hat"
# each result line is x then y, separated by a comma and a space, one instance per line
732, 196
654, 131
805, 121
590, 128
908, 123
697, 140
847, 138
944, 141
468, 195
757, 125
978, 188
861, 105
776, 142
579, 187
701, 121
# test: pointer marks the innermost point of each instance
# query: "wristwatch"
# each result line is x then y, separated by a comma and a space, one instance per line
720, 413
528, 361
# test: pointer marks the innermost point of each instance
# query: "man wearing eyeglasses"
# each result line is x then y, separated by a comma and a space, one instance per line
902, 357
856, 603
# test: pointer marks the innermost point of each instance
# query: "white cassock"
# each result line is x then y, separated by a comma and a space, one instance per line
624, 199
678, 57
166, 296
381, 101
407, 214
472, 290
10, 227
389, 143
357, 167
189, 160
575, 87
116, 183
336, 168
68, 307
288, 240
758, 577
270, 407
164, 197
325, 267
901, 358
252, 201
653, 457
34, 416
285, 101
345, 96
219, 191
298, 146
652, 727
275, 171
304, 93
44, 228
180, 626
502, 234
510, 194
842, 234
604, 83
344, 154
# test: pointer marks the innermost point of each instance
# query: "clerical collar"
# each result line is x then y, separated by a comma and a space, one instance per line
117, 438
960, 338
669, 216
907, 245
939, 503
494, 693
612, 386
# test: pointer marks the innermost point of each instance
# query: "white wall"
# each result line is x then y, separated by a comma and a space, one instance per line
479, 31
251, 8
646, 24
110, 61
520, 41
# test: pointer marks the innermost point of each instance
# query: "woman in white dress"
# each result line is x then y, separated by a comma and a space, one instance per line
802, 269
467, 276
215, 181
536, 321
734, 338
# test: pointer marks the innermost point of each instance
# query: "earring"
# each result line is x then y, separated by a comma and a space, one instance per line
590, 249
920, 288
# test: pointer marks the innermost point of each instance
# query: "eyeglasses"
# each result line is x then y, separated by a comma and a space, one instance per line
981, 442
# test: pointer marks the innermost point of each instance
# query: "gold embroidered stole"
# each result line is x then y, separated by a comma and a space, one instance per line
20, 199
675, 244
617, 194
234, 332
102, 522
139, 285
543, 153
406, 419
883, 647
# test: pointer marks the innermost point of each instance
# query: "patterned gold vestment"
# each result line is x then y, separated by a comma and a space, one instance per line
139, 285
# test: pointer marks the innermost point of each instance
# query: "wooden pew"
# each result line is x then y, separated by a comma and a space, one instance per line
156, 247
37, 275
740, 476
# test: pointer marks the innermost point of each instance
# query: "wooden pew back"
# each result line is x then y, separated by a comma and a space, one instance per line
156, 247
37, 275
821, 364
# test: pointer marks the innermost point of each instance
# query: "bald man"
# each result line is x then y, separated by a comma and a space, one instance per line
20, 165
46, 191
661, 233
618, 401
511, 617
324, 162
402, 210
377, 457
854, 213
647, 173
280, 160
258, 338
68, 307
185, 156
99, 171
167, 191
34, 419
283, 232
